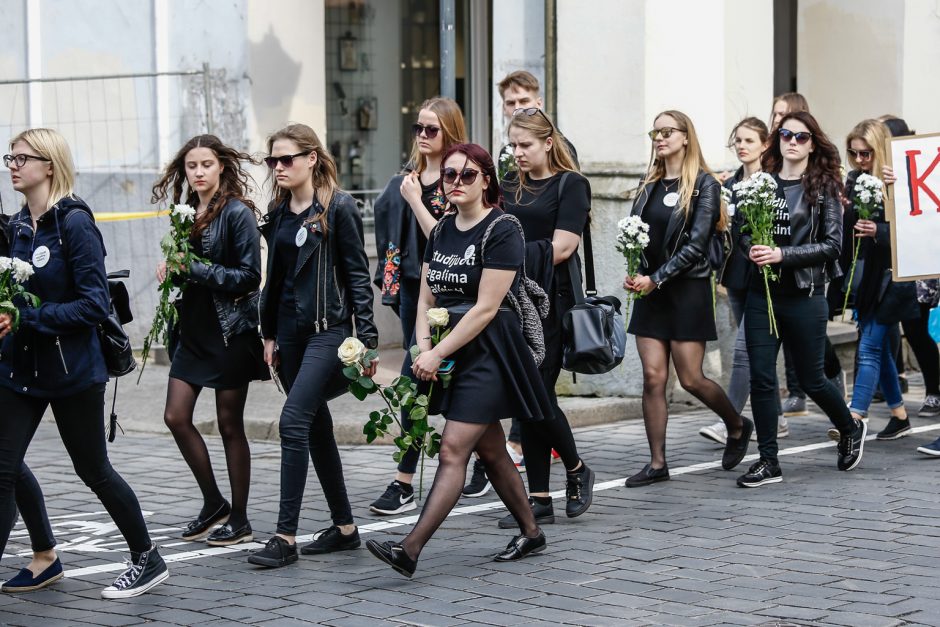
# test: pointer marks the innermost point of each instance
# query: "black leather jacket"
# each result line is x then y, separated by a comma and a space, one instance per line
231, 242
686, 241
815, 238
331, 279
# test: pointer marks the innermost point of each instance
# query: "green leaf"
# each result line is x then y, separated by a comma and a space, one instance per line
358, 391
387, 420
422, 401
370, 356
414, 351
400, 443
351, 373
370, 438
367, 383
375, 416
407, 441
418, 413
397, 455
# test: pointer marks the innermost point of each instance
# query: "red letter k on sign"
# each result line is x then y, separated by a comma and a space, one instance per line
916, 183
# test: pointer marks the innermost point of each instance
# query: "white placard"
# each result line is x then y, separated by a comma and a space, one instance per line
914, 206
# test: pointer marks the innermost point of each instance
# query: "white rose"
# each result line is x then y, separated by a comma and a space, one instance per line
438, 317
5, 264
22, 270
351, 351
184, 211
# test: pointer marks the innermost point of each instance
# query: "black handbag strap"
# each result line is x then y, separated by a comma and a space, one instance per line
574, 271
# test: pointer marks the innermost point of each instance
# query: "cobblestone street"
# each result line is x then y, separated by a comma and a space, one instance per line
823, 547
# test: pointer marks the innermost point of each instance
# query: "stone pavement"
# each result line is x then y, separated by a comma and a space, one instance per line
823, 547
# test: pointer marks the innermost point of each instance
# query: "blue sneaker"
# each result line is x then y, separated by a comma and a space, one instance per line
25, 582
932, 449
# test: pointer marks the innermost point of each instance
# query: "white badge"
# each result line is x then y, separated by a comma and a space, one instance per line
301, 236
41, 256
671, 199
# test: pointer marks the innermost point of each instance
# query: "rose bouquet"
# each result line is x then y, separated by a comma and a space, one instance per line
178, 255
632, 239
505, 164
869, 192
14, 273
756, 196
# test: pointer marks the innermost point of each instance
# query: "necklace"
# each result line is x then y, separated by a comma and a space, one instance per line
671, 198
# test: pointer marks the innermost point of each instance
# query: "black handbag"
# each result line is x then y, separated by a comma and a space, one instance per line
115, 345
593, 333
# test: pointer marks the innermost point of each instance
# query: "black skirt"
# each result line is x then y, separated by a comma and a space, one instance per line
682, 310
494, 377
202, 357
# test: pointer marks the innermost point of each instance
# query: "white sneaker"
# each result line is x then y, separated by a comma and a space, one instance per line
717, 432
783, 429
517, 458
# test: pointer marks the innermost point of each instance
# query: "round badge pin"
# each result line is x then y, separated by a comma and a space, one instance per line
41, 256
301, 238
671, 199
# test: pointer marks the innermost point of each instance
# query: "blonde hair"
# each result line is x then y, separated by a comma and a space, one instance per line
542, 128
876, 135
452, 126
693, 162
325, 182
51, 145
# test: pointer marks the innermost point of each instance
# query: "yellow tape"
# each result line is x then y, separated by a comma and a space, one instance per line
115, 216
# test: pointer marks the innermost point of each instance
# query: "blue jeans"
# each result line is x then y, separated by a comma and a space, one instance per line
875, 365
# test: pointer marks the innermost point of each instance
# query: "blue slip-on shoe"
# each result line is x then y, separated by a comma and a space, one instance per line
932, 449
25, 582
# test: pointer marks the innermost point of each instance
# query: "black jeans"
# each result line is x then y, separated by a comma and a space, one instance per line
801, 322
80, 420
32, 508
311, 374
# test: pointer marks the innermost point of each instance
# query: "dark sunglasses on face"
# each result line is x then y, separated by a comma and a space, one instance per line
467, 176
664, 132
20, 159
429, 131
801, 137
285, 160
860, 154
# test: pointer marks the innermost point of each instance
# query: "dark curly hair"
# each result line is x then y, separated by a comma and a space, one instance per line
234, 181
476, 153
823, 175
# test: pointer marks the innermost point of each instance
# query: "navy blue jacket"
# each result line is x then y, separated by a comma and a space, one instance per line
55, 352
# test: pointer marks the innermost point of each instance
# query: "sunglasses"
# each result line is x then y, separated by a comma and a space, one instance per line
801, 137
664, 132
467, 176
20, 159
860, 154
286, 160
429, 131
533, 111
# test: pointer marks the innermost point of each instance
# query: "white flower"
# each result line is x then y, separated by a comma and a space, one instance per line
351, 351
185, 212
864, 196
22, 270
438, 317
5, 264
643, 239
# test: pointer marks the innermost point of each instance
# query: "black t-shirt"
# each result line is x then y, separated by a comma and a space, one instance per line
786, 283
657, 215
285, 260
455, 264
541, 211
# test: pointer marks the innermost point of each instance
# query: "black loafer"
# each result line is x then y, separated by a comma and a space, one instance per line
227, 536
331, 539
736, 448
647, 476
544, 515
199, 528
520, 547
394, 555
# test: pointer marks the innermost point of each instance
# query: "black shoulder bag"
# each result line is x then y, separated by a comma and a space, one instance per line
593, 333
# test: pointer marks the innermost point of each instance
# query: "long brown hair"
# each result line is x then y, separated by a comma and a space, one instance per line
452, 126
795, 102
822, 174
325, 181
234, 181
692, 163
542, 128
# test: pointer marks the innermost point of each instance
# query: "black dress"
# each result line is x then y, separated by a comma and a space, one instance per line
495, 375
681, 309
202, 357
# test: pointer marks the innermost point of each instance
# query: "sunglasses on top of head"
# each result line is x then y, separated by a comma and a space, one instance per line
429, 131
801, 137
533, 111
285, 160
860, 154
467, 176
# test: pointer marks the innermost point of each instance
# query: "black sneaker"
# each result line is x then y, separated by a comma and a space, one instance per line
394, 555
931, 407
330, 540
544, 515
276, 553
736, 448
398, 497
226, 535
479, 482
895, 429
202, 526
761, 472
647, 476
141, 575
851, 445
579, 491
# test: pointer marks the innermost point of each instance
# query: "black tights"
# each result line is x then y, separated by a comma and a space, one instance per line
687, 358
459, 440
230, 410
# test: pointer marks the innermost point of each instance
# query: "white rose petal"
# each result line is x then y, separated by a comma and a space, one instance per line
438, 317
351, 351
